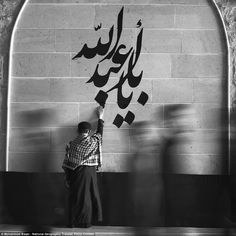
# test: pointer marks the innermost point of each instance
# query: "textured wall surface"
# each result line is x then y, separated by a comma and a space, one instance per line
9, 11
228, 11
183, 58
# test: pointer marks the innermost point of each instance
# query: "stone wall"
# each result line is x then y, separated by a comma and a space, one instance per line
183, 59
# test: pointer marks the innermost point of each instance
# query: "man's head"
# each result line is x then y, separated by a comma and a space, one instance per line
84, 127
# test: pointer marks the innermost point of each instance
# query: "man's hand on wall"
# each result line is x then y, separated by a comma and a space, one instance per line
100, 112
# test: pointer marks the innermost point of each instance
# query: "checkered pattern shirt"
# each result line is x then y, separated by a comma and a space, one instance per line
84, 150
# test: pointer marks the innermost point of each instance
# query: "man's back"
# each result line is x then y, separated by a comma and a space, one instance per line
83, 155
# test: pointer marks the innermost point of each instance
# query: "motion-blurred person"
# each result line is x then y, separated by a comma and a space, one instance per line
178, 122
82, 159
30, 207
146, 182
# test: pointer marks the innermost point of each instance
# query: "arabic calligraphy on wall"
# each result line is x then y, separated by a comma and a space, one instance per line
114, 53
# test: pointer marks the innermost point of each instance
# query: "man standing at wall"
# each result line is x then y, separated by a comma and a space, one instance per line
83, 157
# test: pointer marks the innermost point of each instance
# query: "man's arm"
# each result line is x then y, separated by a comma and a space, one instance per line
100, 112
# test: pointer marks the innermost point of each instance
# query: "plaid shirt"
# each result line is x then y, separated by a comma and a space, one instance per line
84, 150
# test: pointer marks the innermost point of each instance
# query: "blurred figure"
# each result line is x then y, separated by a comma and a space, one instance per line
146, 182
32, 210
82, 158
178, 122
179, 117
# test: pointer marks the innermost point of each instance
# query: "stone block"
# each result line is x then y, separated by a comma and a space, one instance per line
198, 165
24, 162
37, 16
172, 91
154, 65
202, 41
62, 136
74, 16
30, 90
34, 40
57, 16
154, 16
196, 17
161, 41
115, 162
199, 142
208, 115
72, 90
29, 115
191, 66
73, 40
41, 65
29, 140
43, 115
208, 90
35, 162
115, 141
